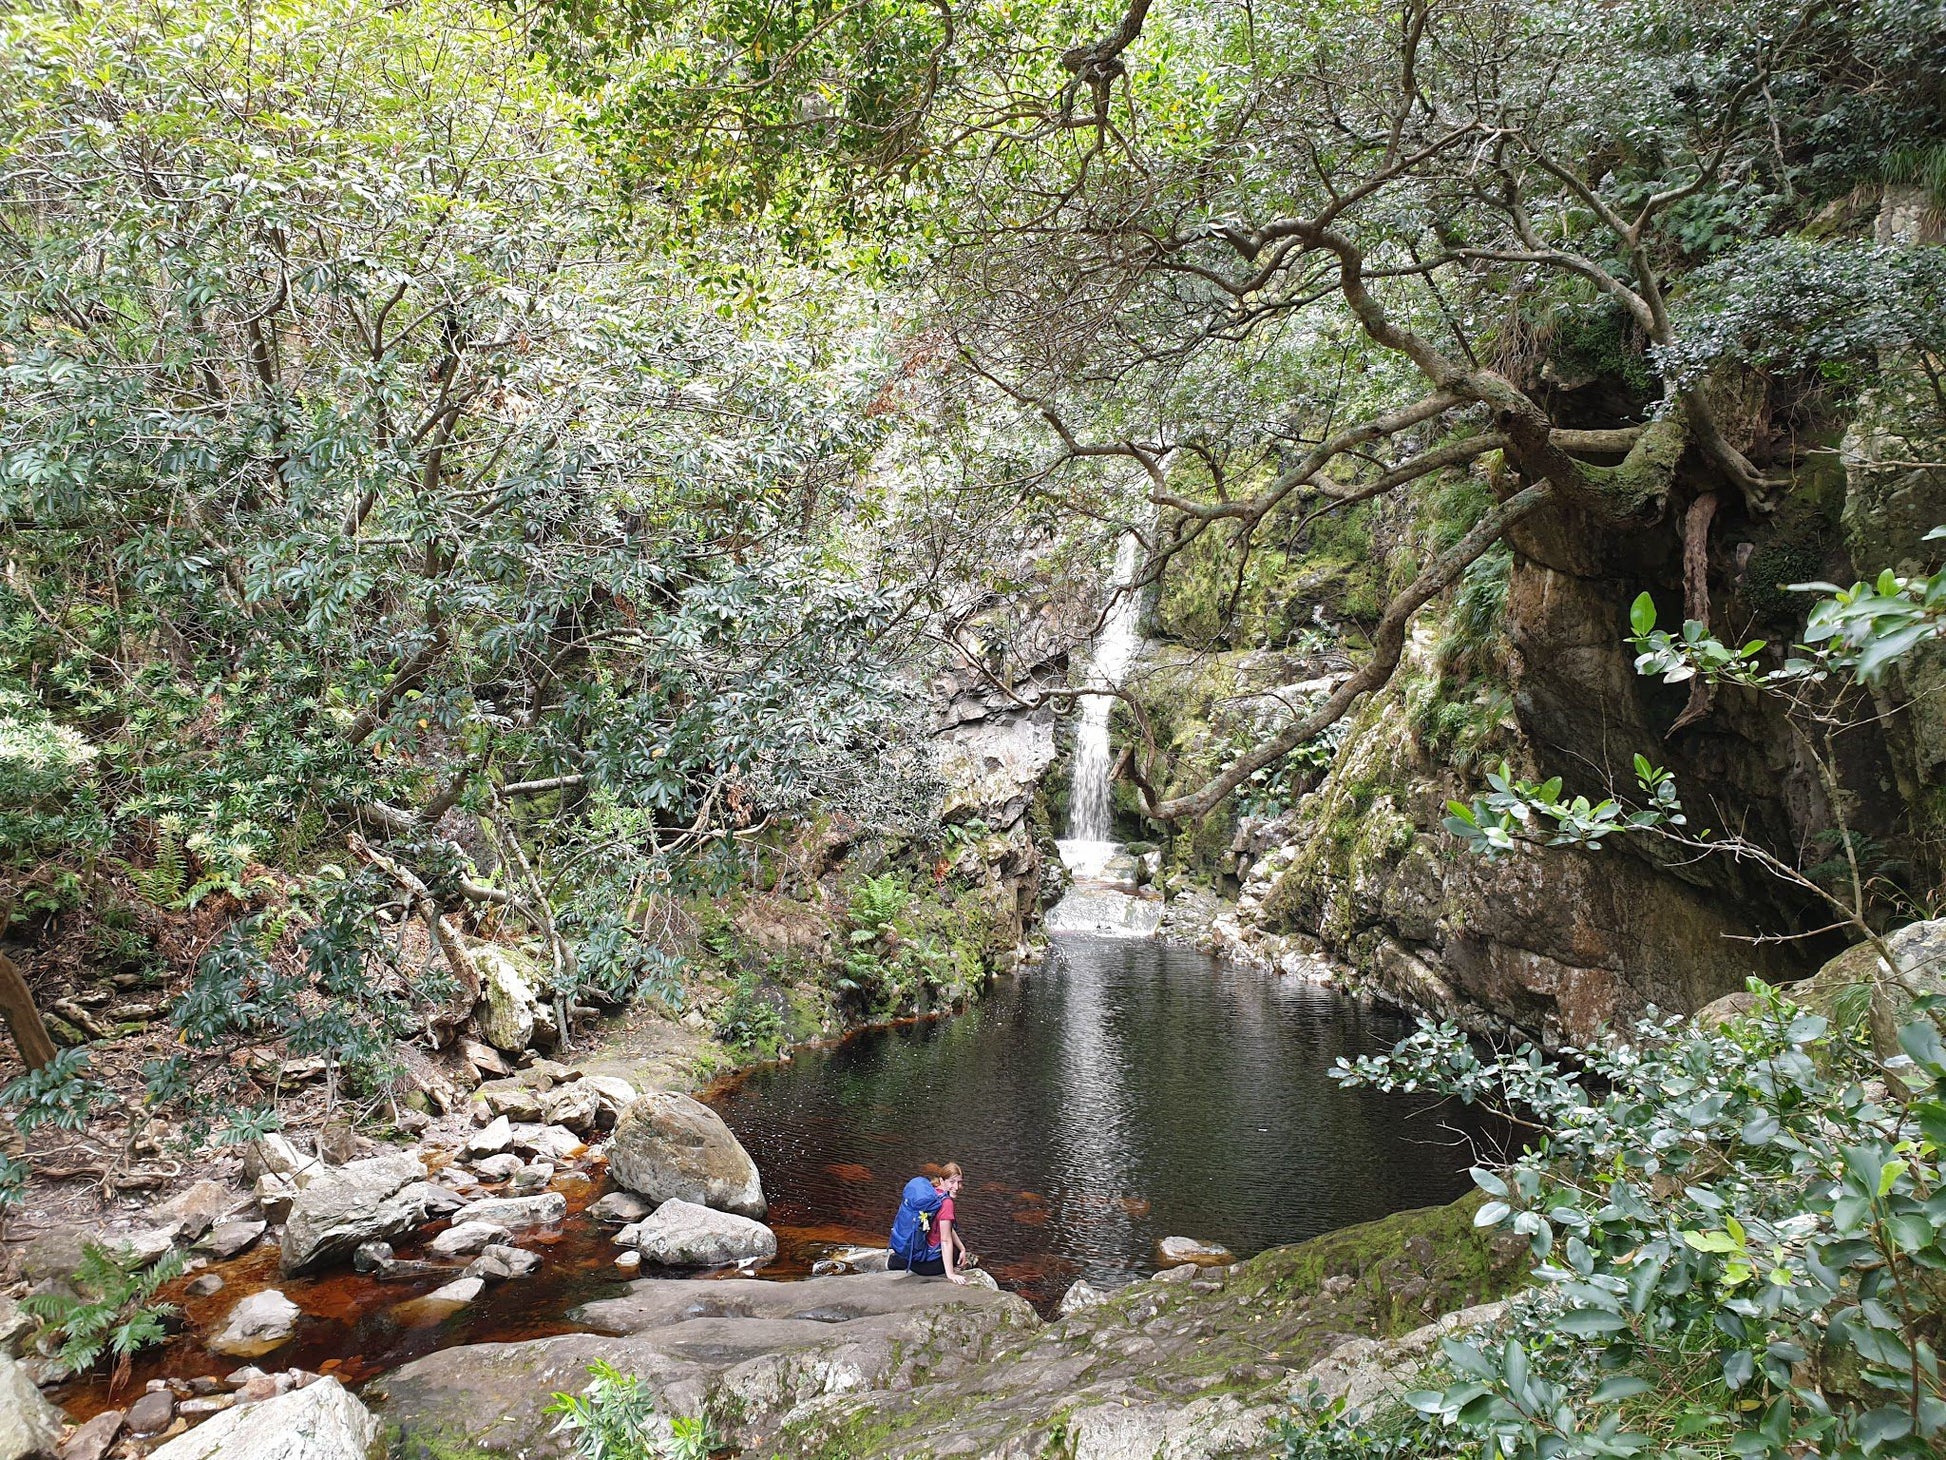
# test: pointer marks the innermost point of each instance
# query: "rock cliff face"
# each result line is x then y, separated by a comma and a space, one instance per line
1553, 942
992, 752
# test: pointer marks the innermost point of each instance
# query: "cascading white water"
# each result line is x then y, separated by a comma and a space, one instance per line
1088, 847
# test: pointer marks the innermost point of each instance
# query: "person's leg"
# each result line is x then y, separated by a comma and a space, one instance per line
925, 1266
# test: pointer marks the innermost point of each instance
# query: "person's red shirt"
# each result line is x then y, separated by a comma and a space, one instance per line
938, 1222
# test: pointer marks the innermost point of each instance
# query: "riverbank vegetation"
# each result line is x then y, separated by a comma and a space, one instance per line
602, 500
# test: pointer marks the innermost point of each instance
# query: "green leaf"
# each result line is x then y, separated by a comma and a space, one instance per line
1641, 614
1622, 1386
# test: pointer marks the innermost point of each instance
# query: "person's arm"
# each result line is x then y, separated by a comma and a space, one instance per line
947, 1242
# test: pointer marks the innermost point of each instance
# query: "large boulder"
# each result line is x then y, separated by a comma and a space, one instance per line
1859, 981
261, 1322
321, 1421
360, 1202
683, 1234
510, 1012
29, 1425
671, 1148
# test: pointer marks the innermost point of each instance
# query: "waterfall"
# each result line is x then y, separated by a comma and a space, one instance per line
1088, 846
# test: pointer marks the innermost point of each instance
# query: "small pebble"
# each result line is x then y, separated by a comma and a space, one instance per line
629, 1261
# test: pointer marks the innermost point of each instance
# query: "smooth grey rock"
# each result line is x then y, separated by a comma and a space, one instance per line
459, 1292
547, 1142
534, 1176
321, 1421
575, 1107
500, 1262
629, 1261
439, 1201
516, 1212
372, 1256
205, 1284
621, 1207
466, 1238
92, 1440
196, 1208
1176, 1251
498, 1168
152, 1413
669, 1147
492, 1138
29, 1425
685, 1234
261, 1322
627, 1236
364, 1201
510, 1098
228, 1238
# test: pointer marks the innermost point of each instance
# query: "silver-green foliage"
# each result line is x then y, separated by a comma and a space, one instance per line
615, 1419
1738, 1238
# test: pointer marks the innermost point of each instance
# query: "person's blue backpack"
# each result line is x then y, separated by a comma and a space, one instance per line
912, 1227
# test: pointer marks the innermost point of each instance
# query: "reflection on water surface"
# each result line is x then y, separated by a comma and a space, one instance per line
1120, 1093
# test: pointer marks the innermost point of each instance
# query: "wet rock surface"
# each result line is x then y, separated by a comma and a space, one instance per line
683, 1234
261, 1322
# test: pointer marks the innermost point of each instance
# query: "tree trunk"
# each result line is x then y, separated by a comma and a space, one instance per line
23, 1019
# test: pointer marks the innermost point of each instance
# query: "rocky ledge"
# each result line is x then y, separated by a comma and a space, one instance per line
1196, 1362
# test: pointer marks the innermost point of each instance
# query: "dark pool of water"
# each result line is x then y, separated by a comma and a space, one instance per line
1122, 1092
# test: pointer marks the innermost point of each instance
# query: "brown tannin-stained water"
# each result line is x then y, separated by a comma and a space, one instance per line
1122, 1092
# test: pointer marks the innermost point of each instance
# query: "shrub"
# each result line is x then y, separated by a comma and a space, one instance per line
613, 1419
1738, 1239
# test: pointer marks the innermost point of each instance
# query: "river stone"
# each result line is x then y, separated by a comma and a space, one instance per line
576, 1107
516, 1212
498, 1168
276, 1194
29, 1425
620, 1206
152, 1413
261, 1322
499, 1262
92, 1440
227, 1239
384, 1196
205, 1285
533, 1177
1080, 1296
616, 1094
1178, 1251
508, 1007
321, 1421
492, 1138
510, 1098
669, 1147
466, 1238
684, 1234
547, 1142
195, 1208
